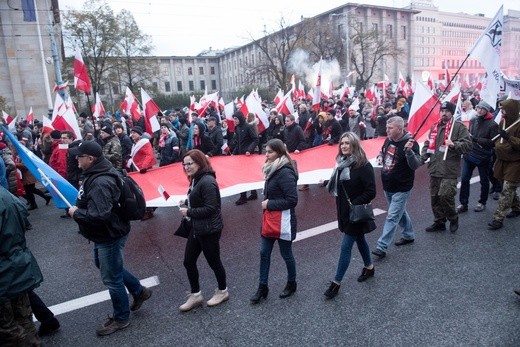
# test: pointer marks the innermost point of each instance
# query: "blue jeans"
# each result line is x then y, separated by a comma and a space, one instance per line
467, 171
396, 216
108, 257
266, 248
346, 254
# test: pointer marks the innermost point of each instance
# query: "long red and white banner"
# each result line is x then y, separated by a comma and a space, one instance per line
240, 173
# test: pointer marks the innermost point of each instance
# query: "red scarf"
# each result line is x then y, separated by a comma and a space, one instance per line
435, 131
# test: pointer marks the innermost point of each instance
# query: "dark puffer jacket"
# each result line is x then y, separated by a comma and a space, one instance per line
98, 214
205, 205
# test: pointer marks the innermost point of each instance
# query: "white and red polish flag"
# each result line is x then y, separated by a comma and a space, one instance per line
240, 102
81, 79
401, 85
253, 105
278, 96
423, 102
98, 109
64, 117
193, 103
30, 117
331, 89
316, 98
300, 92
130, 105
10, 121
163, 192
47, 125
150, 109
453, 95
487, 50
430, 83
205, 101
285, 105
229, 110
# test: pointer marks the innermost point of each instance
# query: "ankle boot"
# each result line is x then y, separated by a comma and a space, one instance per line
262, 292
332, 291
289, 289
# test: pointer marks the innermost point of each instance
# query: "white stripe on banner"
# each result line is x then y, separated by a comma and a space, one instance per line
93, 298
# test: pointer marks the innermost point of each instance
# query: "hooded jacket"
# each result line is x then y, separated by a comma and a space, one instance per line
19, 271
245, 137
507, 165
98, 214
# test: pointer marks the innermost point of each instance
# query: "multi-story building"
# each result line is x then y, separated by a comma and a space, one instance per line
27, 74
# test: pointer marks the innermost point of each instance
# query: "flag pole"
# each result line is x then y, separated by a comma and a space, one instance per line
438, 99
506, 129
48, 181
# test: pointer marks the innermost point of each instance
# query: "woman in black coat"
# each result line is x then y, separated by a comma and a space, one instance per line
279, 218
353, 175
204, 211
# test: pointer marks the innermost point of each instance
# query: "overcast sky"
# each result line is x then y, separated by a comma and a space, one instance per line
191, 26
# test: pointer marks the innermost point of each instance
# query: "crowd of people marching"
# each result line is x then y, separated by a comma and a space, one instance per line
116, 142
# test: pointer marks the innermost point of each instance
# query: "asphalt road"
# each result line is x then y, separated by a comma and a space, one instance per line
446, 289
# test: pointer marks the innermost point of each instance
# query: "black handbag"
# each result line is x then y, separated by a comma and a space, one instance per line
184, 228
359, 213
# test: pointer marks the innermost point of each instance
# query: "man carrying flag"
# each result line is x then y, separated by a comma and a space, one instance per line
444, 172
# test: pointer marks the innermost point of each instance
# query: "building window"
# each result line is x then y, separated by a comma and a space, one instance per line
212, 69
155, 86
374, 27
202, 85
389, 30
201, 70
167, 87
179, 86
403, 28
213, 84
190, 86
190, 71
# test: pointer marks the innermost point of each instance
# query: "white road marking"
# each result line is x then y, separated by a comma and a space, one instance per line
93, 299
302, 235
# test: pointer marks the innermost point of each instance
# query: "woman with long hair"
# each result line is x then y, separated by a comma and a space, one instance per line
203, 209
352, 182
279, 217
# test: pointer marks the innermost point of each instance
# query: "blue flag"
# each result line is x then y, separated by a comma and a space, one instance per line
33, 163
29, 11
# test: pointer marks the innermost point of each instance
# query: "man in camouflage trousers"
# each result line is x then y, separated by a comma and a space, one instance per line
507, 165
452, 136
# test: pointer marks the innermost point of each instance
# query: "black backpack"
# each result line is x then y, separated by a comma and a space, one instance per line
131, 200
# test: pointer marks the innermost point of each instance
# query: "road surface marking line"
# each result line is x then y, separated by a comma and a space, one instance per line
302, 235
93, 299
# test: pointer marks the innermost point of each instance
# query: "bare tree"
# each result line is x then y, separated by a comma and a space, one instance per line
132, 70
96, 31
368, 51
276, 48
324, 40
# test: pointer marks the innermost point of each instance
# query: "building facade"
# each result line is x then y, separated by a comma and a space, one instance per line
27, 74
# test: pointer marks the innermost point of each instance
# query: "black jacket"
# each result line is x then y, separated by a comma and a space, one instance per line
482, 130
98, 214
73, 171
361, 189
205, 205
126, 148
246, 138
217, 139
294, 139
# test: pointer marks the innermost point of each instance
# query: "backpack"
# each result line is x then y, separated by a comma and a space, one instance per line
131, 201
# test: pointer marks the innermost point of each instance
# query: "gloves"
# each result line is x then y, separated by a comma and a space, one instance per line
142, 171
504, 134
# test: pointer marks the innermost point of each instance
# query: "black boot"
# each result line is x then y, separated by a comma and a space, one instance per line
289, 289
262, 292
332, 291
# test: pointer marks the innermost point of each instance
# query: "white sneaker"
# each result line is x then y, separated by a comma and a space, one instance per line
194, 300
219, 297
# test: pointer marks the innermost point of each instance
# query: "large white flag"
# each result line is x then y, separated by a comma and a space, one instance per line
487, 51
510, 87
